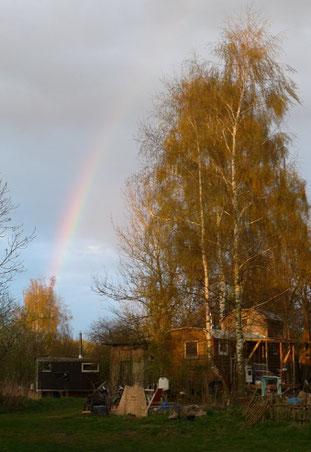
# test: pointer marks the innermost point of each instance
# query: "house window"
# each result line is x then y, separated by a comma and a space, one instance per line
191, 349
45, 367
223, 348
90, 367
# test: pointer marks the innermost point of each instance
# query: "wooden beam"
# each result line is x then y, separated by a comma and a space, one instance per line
266, 355
287, 354
254, 349
271, 341
281, 361
293, 361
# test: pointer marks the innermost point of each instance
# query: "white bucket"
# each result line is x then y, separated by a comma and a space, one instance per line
163, 384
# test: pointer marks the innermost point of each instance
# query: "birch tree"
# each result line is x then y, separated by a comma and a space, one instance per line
214, 167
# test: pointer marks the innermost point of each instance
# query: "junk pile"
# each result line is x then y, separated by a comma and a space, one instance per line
137, 401
101, 401
129, 400
304, 398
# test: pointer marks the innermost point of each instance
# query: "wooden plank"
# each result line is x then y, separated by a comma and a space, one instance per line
254, 349
293, 361
271, 341
281, 361
156, 398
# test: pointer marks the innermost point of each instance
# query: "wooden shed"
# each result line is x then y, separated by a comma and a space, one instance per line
127, 364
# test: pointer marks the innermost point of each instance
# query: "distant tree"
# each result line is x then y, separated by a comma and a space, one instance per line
18, 344
12, 240
47, 313
11, 324
115, 331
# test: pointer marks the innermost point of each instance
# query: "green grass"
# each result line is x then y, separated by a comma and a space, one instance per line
58, 425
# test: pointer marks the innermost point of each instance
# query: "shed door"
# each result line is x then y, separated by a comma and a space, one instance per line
126, 373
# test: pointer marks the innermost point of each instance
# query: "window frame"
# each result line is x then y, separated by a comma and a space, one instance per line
45, 367
225, 352
90, 371
197, 349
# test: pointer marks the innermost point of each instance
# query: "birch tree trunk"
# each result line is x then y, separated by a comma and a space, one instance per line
221, 276
236, 270
208, 316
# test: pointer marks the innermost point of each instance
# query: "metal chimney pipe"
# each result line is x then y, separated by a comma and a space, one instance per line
80, 346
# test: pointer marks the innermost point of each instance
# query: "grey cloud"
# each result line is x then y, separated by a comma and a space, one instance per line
74, 69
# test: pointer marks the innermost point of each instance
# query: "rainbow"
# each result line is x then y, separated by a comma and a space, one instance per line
74, 207
73, 212
87, 176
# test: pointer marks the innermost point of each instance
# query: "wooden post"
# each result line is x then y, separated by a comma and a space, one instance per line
281, 361
294, 366
287, 354
253, 351
266, 354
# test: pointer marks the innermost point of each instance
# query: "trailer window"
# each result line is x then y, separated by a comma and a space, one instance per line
90, 367
45, 367
191, 349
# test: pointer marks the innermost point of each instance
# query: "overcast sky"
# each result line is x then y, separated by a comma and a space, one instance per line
77, 77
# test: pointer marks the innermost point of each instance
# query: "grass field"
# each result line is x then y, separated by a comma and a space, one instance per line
58, 425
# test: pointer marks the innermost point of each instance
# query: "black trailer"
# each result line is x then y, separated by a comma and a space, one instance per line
67, 376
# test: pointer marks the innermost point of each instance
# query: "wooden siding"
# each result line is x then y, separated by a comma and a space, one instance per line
178, 339
252, 322
127, 365
256, 322
199, 365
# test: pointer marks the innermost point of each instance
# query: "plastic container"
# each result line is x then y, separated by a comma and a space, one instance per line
163, 384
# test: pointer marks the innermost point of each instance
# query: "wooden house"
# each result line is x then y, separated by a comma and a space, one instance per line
266, 351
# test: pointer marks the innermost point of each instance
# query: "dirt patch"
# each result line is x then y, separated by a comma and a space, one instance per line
170, 433
129, 434
60, 416
59, 437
